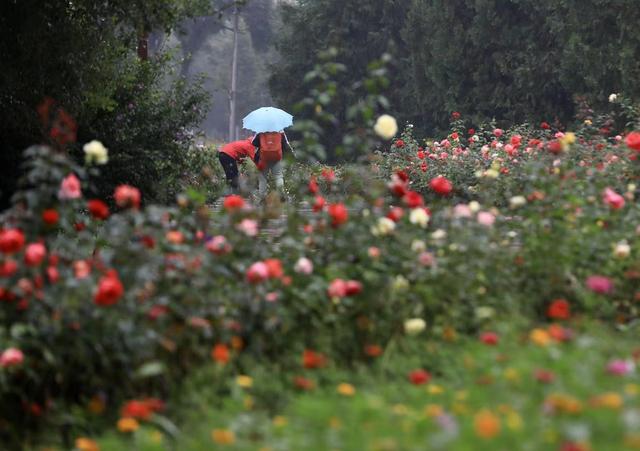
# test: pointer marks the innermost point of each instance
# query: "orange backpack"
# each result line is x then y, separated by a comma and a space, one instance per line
270, 147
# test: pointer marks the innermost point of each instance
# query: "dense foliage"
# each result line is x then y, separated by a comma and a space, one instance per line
515, 61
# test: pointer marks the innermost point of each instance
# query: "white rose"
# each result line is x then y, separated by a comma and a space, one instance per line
622, 249
94, 151
613, 98
474, 206
419, 216
517, 201
418, 246
385, 226
414, 326
439, 235
386, 126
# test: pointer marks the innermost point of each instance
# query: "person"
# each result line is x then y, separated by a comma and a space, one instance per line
230, 155
268, 158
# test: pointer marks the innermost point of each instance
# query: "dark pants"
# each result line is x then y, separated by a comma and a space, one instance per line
230, 167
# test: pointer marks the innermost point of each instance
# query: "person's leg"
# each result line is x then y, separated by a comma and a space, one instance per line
230, 170
278, 175
263, 184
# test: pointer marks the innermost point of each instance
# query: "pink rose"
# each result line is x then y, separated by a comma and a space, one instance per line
257, 272
303, 266
249, 227
337, 288
34, 254
486, 219
600, 284
426, 259
70, 188
127, 196
462, 211
218, 245
11, 357
612, 199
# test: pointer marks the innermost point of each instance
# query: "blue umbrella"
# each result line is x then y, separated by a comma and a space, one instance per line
267, 119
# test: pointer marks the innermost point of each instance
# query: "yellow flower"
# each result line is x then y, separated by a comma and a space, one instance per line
223, 436
486, 424
384, 226
279, 421
386, 126
419, 217
609, 400
86, 444
567, 140
434, 389
540, 337
512, 375
631, 389
563, 403
346, 389
244, 381
414, 326
128, 425
514, 421
433, 410
95, 151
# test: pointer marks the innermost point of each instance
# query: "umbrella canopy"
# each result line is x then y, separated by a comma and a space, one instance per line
267, 119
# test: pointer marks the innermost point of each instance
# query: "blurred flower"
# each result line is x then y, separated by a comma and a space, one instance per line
223, 437
489, 338
128, 425
599, 284
110, 290
11, 357
517, 201
98, 209
94, 151
70, 188
544, 376
399, 143
419, 377
338, 213
620, 367
127, 196
220, 353
218, 245
373, 252
414, 326
486, 424
86, 444
426, 259
384, 226
248, 226
613, 98
34, 254
303, 383
622, 249
609, 400
386, 126
50, 216
346, 389
441, 185
439, 235
313, 360
612, 199
462, 211
400, 283
233, 203
418, 246
257, 272
540, 337
373, 350
559, 309
303, 266
486, 219
11, 240
484, 312
244, 381
419, 217
633, 141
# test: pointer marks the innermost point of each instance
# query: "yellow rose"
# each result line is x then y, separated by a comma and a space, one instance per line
386, 126
94, 151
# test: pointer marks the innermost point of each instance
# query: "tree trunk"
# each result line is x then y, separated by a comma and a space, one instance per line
234, 78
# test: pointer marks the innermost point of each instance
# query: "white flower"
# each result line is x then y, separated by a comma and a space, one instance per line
418, 246
400, 283
386, 126
414, 326
517, 201
484, 312
303, 266
419, 216
622, 249
439, 235
95, 151
474, 206
385, 226
475, 138
613, 98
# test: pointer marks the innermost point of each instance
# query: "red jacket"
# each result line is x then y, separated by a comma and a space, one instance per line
239, 149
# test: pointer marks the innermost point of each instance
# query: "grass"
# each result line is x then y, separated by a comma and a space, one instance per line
516, 395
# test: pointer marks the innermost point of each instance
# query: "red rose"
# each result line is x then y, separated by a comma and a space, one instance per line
633, 141
545, 126
98, 209
353, 287
127, 196
338, 213
318, 203
329, 175
337, 288
8, 268
233, 203
419, 377
257, 272
136, 409
455, 115
11, 241
50, 216
395, 214
413, 199
555, 147
489, 338
441, 185
420, 154
110, 290
313, 185
313, 360
34, 254
274, 268
559, 309
220, 353
399, 143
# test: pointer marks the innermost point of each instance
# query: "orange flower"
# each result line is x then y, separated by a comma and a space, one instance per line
486, 424
312, 359
127, 425
223, 436
220, 353
559, 309
274, 267
346, 389
540, 337
373, 350
86, 444
609, 400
